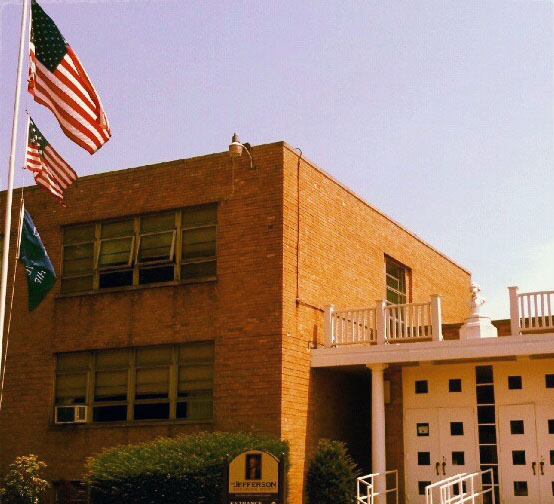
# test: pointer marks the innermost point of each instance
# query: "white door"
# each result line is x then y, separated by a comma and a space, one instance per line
422, 456
457, 441
439, 442
519, 470
545, 452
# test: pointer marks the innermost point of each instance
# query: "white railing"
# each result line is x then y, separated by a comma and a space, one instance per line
367, 486
354, 326
364, 491
384, 323
432, 489
531, 311
467, 488
408, 322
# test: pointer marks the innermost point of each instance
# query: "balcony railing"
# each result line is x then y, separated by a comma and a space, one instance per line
531, 312
384, 323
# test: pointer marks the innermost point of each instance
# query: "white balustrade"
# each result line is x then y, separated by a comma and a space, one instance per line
531, 311
408, 322
353, 326
384, 323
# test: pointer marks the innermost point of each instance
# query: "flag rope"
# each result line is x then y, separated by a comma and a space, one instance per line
7, 336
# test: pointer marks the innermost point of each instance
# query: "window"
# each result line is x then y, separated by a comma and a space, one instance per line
455, 385
396, 282
423, 458
456, 428
422, 429
148, 383
520, 489
549, 379
518, 457
458, 458
421, 387
421, 485
516, 427
179, 245
514, 383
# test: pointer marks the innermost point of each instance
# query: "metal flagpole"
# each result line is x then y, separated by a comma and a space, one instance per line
9, 195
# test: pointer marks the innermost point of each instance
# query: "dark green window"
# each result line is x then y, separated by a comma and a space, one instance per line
173, 246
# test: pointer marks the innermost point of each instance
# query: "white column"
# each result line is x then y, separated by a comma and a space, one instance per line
378, 446
436, 317
514, 311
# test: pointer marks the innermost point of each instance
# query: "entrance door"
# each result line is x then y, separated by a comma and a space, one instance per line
545, 452
526, 448
440, 442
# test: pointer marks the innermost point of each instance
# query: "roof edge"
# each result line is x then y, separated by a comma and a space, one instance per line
383, 214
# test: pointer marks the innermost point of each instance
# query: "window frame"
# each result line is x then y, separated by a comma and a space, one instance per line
133, 367
406, 282
134, 265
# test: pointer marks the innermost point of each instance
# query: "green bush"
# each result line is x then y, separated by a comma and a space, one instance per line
332, 475
22, 483
184, 469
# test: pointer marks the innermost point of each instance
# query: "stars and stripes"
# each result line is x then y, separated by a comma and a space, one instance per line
58, 81
50, 170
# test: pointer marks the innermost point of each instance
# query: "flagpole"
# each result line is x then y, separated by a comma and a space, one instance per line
9, 194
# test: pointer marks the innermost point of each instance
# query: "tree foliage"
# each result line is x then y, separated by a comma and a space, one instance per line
331, 475
22, 484
184, 469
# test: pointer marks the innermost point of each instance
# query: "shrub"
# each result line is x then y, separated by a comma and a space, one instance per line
332, 475
22, 483
184, 469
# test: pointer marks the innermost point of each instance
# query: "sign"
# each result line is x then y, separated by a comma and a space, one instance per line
255, 477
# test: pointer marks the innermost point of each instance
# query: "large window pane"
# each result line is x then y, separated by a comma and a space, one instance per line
115, 252
194, 378
157, 222
77, 259
73, 361
192, 271
199, 243
153, 355
156, 247
200, 216
118, 229
79, 234
71, 388
197, 352
111, 386
152, 383
109, 359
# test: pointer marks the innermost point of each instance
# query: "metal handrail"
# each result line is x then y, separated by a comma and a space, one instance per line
371, 477
429, 488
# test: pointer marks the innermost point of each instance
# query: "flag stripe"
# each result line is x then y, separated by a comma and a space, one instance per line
69, 94
68, 124
67, 99
51, 171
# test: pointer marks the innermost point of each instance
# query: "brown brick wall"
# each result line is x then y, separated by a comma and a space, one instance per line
342, 242
262, 332
241, 311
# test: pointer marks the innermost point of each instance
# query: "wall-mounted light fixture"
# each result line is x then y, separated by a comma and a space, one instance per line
236, 148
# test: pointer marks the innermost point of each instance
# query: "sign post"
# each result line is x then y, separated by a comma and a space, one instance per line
255, 477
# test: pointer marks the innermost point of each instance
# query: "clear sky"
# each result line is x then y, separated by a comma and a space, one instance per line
439, 113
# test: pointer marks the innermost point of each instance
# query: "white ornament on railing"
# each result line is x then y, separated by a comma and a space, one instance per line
477, 325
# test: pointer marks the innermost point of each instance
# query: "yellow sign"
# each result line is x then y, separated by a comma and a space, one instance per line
254, 472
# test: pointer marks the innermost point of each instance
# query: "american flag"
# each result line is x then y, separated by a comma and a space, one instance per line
58, 81
51, 172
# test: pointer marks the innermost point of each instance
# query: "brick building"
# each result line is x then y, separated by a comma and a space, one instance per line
191, 296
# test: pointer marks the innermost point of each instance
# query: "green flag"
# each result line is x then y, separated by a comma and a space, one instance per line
40, 272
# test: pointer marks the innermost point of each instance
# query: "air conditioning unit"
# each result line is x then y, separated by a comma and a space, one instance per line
71, 414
